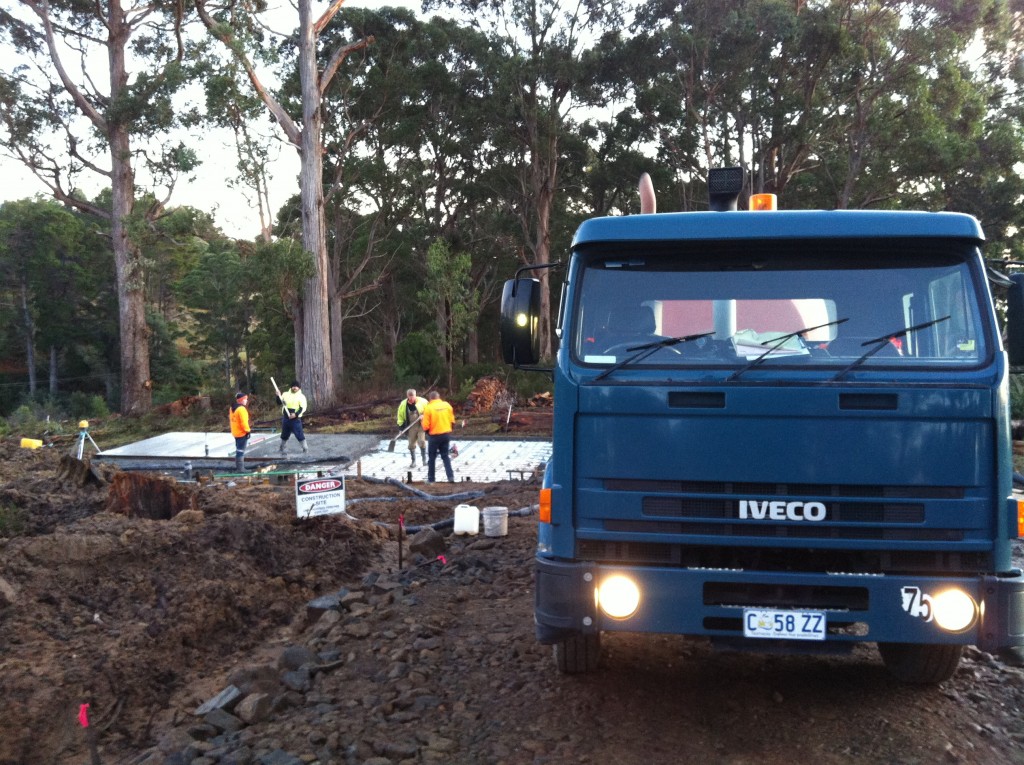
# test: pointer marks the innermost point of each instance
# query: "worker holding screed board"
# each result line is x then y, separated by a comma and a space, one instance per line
293, 406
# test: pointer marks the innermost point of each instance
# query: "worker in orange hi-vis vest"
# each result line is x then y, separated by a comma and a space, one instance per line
240, 428
438, 419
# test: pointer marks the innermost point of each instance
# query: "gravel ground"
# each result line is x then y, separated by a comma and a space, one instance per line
231, 632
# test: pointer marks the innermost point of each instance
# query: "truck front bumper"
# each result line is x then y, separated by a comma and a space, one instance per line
858, 608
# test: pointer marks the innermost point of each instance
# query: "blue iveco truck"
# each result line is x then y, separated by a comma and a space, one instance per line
781, 430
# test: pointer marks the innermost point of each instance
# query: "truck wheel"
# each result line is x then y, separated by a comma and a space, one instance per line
578, 654
918, 663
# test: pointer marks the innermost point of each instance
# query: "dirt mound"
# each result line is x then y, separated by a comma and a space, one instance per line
123, 589
339, 655
119, 613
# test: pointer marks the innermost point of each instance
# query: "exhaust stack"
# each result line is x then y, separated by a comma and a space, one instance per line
724, 187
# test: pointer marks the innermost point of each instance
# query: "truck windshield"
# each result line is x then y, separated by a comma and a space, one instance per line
749, 295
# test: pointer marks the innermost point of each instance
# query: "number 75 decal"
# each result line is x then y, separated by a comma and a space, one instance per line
917, 603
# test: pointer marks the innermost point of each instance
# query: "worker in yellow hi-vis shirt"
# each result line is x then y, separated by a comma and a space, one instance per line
293, 406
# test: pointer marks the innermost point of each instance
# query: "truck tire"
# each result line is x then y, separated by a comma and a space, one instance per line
921, 664
578, 654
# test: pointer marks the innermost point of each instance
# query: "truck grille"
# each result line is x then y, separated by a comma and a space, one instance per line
785, 489
803, 559
788, 596
853, 513
772, 531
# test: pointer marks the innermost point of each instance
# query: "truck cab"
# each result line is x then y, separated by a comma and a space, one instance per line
780, 430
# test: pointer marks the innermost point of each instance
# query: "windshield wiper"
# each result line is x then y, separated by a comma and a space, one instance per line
778, 342
879, 343
646, 349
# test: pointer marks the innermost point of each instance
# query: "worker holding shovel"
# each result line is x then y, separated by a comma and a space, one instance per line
293, 406
409, 413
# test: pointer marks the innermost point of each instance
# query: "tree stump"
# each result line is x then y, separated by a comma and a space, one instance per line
77, 473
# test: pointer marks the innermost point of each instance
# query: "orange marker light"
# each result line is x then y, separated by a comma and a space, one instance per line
760, 202
545, 506
1020, 518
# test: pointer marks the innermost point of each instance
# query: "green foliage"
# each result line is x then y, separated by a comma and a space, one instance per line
56, 269
448, 290
36, 418
464, 389
23, 418
275, 272
528, 384
1017, 397
173, 374
417, 361
219, 290
49, 258
112, 134
10, 393
171, 248
54, 415
87, 406
453, 133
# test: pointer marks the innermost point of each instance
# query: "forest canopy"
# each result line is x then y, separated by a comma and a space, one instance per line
454, 146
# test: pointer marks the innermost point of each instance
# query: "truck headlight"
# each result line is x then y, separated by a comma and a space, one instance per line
954, 610
618, 596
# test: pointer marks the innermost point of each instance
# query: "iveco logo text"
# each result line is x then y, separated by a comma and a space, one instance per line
777, 510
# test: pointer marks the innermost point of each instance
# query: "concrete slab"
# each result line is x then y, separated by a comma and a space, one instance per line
482, 460
179, 446
219, 446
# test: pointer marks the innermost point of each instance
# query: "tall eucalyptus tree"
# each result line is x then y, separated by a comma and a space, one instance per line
551, 57
408, 152
70, 97
837, 103
237, 26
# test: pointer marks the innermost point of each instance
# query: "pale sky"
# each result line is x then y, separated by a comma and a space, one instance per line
208, 190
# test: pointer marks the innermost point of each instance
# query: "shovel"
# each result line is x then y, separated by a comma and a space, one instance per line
402, 432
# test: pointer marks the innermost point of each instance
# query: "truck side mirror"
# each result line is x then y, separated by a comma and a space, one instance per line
520, 322
1015, 320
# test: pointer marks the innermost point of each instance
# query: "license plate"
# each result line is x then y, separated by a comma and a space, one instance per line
783, 625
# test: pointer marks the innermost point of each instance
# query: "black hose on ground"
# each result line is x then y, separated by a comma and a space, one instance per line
425, 495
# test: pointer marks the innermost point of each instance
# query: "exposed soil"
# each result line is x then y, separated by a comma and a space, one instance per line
335, 655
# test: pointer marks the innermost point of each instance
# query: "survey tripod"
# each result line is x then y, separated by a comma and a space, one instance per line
83, 433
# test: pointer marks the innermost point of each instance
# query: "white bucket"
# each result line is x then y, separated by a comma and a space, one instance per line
467, 519
495, 521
